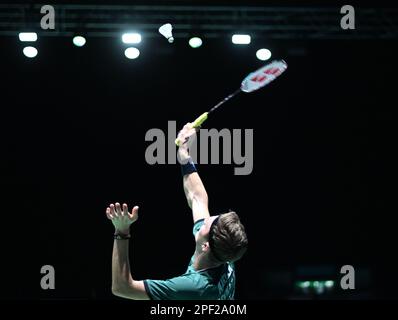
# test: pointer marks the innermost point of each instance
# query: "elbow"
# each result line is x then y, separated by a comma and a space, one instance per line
120, 292
126, 292
119, 289
116, 291
123, 289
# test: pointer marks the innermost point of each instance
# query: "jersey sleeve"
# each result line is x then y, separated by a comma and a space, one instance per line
179, 288
198, 224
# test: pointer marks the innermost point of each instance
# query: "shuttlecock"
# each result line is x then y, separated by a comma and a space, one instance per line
166, 31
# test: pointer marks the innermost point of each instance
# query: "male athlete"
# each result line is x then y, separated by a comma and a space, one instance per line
220, 240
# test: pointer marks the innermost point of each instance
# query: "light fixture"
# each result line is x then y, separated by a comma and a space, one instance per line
30, 52
263, 54
195, 42
79, 41
132, 53
131, 38
27, 36
241, 39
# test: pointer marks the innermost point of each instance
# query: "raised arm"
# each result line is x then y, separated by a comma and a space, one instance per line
123, 284
194, 189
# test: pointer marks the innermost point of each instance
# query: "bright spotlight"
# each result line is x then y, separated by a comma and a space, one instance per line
30, 52
79, 41
263, 54
27, 36
195, 42
241, 39
131, 38
132, 53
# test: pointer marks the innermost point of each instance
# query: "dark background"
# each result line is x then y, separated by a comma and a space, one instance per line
73, 122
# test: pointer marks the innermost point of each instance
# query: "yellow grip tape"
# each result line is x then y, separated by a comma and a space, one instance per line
197, 123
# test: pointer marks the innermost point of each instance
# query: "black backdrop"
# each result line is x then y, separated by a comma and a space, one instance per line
73, 122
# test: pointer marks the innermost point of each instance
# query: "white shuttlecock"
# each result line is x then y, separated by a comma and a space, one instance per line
166, 31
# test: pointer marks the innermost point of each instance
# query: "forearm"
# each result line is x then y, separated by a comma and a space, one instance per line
121, 276
193, 185
123, 284
194, 189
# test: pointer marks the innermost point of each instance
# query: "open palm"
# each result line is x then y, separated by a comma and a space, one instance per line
121, 217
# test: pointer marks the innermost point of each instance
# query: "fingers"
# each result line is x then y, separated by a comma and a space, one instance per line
134, 213
186, 128
135, 210
118, 209
189, 129
108, 213
115, 211
187, 133
125, 210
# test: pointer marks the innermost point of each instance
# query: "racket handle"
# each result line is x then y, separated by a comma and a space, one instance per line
199, 120
197, 123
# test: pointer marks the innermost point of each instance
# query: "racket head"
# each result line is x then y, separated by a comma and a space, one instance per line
263, 76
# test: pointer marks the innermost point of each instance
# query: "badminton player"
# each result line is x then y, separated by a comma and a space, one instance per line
220, 241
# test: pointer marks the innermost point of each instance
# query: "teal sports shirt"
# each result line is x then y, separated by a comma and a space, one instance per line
209, 284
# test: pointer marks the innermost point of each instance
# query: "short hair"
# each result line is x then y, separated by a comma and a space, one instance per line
227, 238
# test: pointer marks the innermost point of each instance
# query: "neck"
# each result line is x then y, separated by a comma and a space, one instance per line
202, 261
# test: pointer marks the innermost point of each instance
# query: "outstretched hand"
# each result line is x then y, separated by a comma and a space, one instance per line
121, 218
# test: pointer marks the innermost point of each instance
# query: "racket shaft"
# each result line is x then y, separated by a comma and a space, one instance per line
203, 117
225, 100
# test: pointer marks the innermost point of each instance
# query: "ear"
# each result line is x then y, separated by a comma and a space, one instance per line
205, 246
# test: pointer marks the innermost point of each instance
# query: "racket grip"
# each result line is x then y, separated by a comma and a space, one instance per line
199, 120
197, 123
